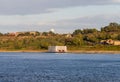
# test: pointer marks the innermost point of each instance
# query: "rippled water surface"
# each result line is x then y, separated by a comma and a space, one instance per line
53, 67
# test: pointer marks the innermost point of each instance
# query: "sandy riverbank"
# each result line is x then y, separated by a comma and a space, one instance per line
23, 51
69, 51
95, 52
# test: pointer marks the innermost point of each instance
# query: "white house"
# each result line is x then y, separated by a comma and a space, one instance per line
57, 49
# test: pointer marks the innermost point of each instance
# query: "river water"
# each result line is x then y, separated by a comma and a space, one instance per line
58, 67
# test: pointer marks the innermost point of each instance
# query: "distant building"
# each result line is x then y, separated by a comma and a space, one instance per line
69, 35
57, 49
11, 34
15, 33
117, 43
33, 33
110, 42
19, 33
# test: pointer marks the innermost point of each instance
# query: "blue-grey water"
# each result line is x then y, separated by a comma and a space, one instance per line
53, 67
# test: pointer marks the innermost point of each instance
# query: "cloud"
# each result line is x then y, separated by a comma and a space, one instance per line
97, 22
64, 26
23, 7
117, 1
62, 15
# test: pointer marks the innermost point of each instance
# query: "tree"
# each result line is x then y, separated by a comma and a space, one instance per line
78, 40
78, 31
1, 34
112, 27
91, 38
86, 31
118, 37
45, 33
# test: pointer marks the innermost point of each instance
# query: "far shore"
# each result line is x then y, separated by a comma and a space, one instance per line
69, 51
23, 51
94, 52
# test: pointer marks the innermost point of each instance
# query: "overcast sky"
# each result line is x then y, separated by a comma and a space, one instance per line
62, 15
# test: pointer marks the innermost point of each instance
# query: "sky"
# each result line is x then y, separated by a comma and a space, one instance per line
64, 16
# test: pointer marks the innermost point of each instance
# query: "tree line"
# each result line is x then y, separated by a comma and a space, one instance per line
80, 39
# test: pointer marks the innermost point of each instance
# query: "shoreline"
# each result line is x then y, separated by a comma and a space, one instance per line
95, 52
69, 51
42, 51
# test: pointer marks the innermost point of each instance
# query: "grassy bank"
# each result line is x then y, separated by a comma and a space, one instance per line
95, 48
108, 49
